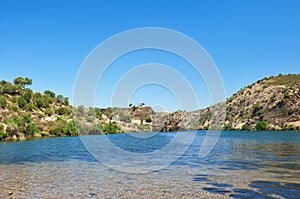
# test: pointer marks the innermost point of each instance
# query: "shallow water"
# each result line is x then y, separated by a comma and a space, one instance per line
241, 165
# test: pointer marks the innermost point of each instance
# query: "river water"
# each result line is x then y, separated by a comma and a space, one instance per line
241, 165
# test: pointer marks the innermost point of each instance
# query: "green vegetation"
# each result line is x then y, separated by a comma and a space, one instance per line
3, 102
261, 126
271, 103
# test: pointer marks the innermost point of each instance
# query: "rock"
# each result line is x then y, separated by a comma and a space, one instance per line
14, 137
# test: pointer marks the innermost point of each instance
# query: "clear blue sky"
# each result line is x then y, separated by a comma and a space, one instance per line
48, 40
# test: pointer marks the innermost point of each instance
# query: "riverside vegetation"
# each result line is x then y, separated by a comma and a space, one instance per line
272, 103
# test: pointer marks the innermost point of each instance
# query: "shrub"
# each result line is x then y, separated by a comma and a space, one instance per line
63, 111
125, 118
28, 94
148, 119
286, 95
3, 135
8, 88
31, 129
71, 128
50, 93
66, 101
261, 126
22, 102
246, 127
29, 107
49, 111
14, 108
26, 118
111, 128
228, 126
3, 102
40, 102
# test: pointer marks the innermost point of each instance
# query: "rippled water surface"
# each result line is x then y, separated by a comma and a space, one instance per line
241, 165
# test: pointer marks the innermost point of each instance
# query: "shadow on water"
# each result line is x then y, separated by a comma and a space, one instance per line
269, 189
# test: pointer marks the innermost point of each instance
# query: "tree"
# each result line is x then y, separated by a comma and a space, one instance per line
60, 98
66, 101
23, 82
50, 93
8, 87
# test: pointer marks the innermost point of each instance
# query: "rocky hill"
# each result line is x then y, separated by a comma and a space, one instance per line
272, 103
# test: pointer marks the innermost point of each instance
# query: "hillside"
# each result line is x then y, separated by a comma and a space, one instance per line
272, 103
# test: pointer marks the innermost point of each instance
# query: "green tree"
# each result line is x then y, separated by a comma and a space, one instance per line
66, 101
60, 98
23, 82
8, 87
50, 93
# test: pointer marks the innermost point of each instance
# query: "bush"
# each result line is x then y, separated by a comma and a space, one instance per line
31, 129
261, 126
228, 126
246, 127
28, 94
29, 107
71, 128
22, 102
3, 135
14, 108
26, 118
125, 118
111, 128
3, 102
50, 93
40, 102
8, 88
49, 111
286, 95
148, 119
63, 111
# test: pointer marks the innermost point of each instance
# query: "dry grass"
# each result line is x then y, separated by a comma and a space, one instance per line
284, 80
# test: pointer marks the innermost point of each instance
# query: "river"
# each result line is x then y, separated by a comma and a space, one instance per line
241, 164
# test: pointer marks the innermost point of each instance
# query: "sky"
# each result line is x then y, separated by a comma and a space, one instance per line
50, 40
